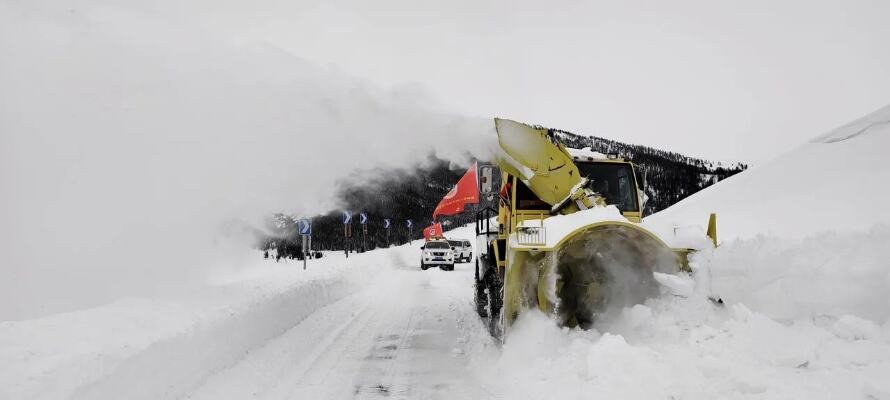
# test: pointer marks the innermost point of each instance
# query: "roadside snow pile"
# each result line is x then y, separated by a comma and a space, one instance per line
838, 182
825, 275
803, 319
679, 348
160, 348
802, 269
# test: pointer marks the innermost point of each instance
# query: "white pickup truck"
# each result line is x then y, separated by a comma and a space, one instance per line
437, 253
463, 251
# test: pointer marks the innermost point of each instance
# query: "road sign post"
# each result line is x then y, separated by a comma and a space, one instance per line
363, 220
386, 226
347, 231
410, 225
304, 226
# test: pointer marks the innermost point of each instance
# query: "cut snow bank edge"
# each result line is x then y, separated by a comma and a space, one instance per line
835, 183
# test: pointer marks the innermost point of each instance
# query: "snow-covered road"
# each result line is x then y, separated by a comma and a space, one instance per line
377, 326
409, 334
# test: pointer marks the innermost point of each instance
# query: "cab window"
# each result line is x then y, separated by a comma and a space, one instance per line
614, 181
527, 200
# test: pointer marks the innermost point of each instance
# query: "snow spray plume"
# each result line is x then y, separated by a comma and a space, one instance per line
603, 270
126, 141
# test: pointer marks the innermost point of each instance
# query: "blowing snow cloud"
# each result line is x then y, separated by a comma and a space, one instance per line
122, 135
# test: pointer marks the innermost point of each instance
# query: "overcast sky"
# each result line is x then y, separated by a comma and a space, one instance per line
719, 79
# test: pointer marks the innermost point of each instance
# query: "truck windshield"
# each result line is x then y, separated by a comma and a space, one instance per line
614, 181
437, 245
454, 243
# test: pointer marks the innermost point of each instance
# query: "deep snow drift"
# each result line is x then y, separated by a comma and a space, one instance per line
805, 234
836, 182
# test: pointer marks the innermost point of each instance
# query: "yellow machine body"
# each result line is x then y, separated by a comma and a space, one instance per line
575, 277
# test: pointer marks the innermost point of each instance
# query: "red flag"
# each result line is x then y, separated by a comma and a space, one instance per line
434, 230
465, 192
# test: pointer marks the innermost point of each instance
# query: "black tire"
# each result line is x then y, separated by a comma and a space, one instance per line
424, 266
480, 297
494, 291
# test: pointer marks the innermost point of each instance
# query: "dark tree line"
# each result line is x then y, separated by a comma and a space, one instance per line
398, 195
402, 194
670, 176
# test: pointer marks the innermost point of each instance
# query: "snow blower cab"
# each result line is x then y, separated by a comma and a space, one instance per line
565, 237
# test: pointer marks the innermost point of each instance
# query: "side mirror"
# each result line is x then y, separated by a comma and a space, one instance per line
486, 173
422, 247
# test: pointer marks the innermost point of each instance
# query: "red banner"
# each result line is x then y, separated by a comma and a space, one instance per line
433, 231
465, 192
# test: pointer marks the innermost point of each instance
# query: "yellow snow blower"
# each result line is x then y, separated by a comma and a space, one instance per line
566, 237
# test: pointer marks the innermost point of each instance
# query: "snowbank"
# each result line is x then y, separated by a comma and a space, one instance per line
689, 349
160, 348
825, 275
837, 182
804, 235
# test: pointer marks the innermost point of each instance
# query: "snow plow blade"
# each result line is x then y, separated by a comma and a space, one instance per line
594, 269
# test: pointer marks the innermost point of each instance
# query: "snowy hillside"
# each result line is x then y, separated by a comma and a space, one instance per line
837, 182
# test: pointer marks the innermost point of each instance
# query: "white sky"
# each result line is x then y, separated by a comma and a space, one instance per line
719, 79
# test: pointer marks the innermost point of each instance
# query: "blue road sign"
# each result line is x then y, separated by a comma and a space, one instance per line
305, 227
410, 223
386, 223
363, 218
347, 217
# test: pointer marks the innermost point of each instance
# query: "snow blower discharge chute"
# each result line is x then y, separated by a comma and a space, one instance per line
566, 236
